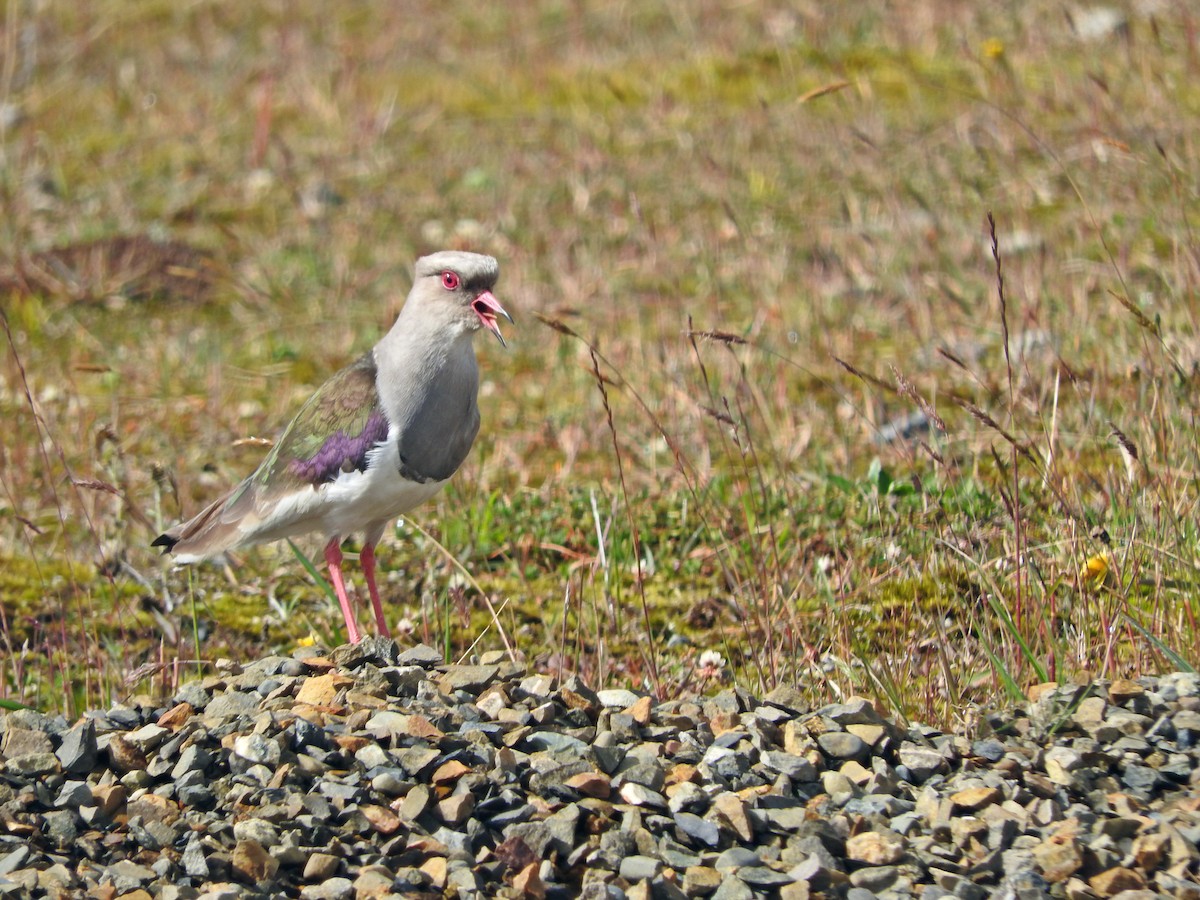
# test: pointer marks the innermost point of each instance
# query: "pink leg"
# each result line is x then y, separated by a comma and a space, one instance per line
333, 559
367, 557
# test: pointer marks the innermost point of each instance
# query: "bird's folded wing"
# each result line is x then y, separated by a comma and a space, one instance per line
332, 434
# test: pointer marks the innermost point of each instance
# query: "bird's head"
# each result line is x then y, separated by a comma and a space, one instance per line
460, 284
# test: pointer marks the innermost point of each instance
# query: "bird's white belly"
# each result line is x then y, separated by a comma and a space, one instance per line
353, 502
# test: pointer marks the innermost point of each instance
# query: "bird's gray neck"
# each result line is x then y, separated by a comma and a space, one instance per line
429, 390
413, 357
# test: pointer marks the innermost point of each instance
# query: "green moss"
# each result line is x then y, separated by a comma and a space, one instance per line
31, 587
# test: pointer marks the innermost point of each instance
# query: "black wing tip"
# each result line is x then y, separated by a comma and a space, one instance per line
166, 541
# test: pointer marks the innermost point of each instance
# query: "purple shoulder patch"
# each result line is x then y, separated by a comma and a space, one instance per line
341, 452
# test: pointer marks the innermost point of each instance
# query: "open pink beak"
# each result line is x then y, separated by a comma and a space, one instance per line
488, 308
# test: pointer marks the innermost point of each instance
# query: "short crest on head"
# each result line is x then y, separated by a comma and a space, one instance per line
476, 270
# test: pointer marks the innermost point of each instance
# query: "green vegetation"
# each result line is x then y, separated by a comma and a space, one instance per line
770, 392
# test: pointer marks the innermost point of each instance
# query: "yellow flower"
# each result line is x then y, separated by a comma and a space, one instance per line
1097, 571
309, 641
993, 48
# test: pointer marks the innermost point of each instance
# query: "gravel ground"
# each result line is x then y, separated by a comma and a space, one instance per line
375, 772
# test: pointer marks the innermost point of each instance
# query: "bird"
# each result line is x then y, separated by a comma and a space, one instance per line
380, 437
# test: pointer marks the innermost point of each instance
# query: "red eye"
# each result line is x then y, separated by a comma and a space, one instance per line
450, 280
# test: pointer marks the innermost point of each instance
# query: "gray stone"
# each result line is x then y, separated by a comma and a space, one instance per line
763, 877
737, 858
637, 795
129, 876
782, 820
615, 845
193, 858
1140, 778
420, 655
73, 795
875, 878
14, 859
616, 698
468, 678
33, 764
255, 748
640, 868
676, 855
698, 830
733, 889
561, 827
193, 758
331, 889
556, 742
688, 796
922, 762
841, 745
349, 803
649, 775
148, 737
230, 705
78, 750
855, 711
797, 768
259, 830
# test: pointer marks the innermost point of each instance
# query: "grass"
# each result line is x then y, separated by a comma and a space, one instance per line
778, 390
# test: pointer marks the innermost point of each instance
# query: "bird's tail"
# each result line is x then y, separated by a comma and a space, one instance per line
208, 533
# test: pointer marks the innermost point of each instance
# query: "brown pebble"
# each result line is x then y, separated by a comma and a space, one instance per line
381, 818
435, 867
351, 743
876, 848
110, 798
1115, 880
1149, 850
252, 863
420, 727
975, 798
1124, 805
681, 772
153, 808
319, 663
575, 700
641, 711
728, 809
456, 808
529, 883
374, 883
414, 803
1123, 690
322, 690
1038, 691
591, 784
723, 722
700, 881
125, 757
514, 853
450, 772
1058, 858
320, 866
310, 713
869, 733
177, 716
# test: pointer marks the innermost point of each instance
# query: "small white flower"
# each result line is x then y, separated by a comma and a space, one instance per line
710, 664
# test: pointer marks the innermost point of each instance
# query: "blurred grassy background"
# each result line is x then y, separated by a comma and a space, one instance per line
210, 207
